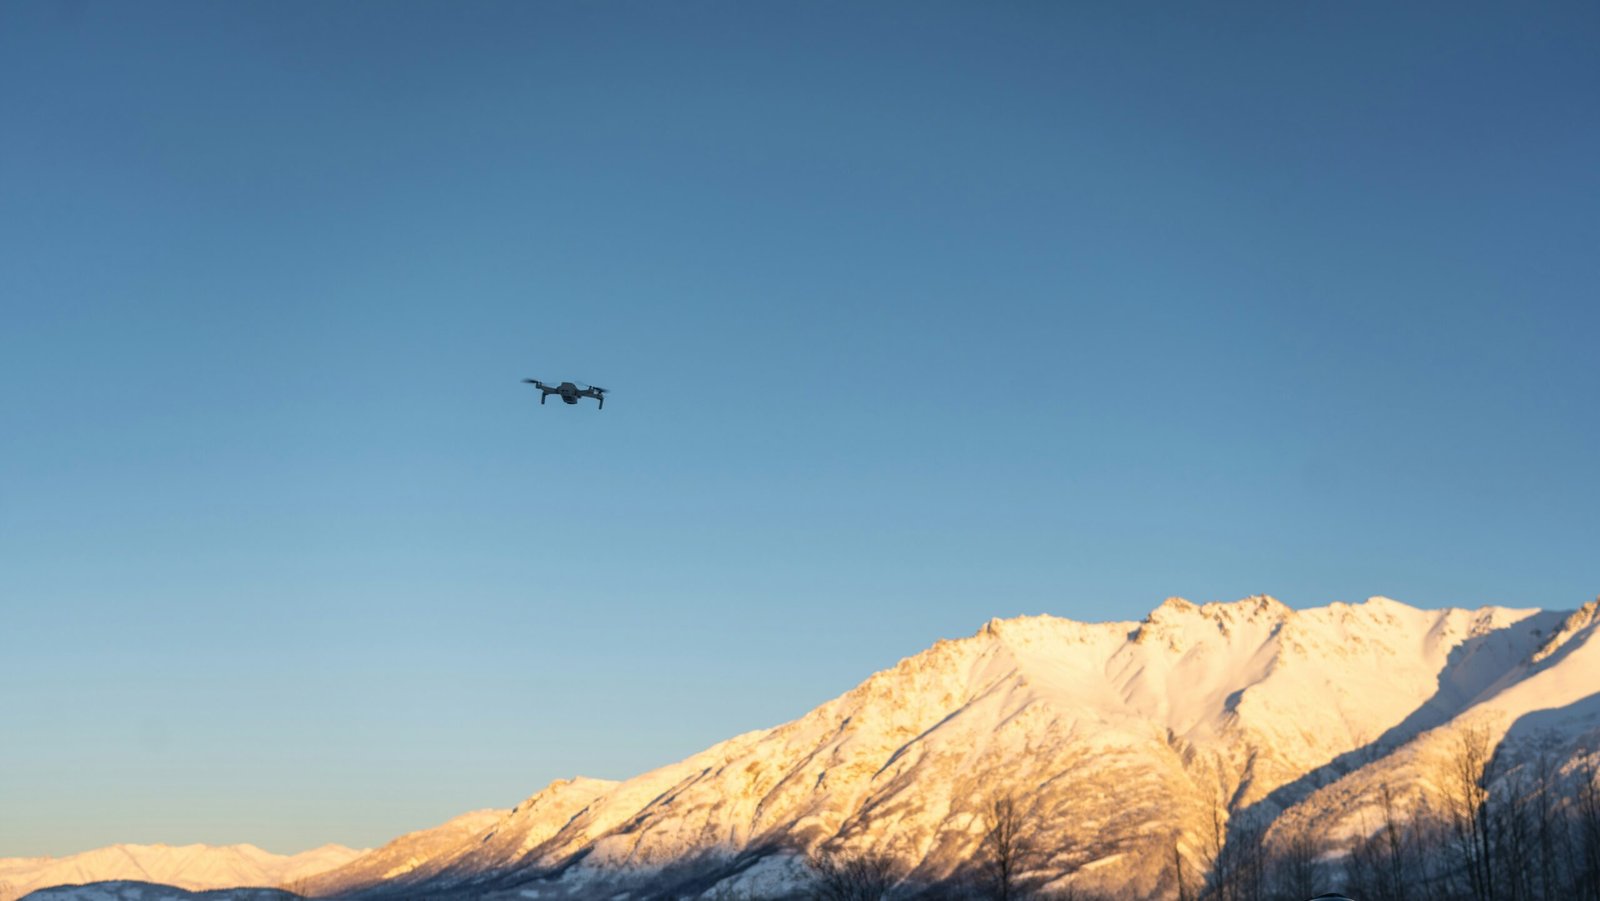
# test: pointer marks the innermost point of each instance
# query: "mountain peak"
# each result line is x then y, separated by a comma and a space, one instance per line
1176, 604
1583, 618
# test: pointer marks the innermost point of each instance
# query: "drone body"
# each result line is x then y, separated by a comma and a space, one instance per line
569, 392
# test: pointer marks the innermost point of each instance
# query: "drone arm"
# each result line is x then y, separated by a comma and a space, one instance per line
602, 399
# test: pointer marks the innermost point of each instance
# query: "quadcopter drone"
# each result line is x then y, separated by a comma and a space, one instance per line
569, 392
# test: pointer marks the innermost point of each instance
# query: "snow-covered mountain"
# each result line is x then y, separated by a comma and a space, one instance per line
409, 859
196, 867
1119, 741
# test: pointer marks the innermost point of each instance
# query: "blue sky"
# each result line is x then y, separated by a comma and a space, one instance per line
914, 315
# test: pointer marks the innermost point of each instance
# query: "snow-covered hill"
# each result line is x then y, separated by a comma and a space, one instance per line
1119, 740
197, 867
124, 890
409, 859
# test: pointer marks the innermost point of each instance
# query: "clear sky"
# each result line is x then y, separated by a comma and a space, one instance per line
914, 315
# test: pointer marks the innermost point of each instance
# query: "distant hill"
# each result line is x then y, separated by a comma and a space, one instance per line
124, 890
196, 867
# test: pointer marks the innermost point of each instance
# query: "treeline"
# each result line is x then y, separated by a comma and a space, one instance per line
1534, 837
1495, 833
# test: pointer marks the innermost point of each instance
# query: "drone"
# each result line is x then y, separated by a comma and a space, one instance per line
569, 392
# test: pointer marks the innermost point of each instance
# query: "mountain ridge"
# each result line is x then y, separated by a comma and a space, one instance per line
1125, 743
192, 866
1139, 728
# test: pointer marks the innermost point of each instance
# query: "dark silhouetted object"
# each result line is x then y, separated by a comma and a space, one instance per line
569, 392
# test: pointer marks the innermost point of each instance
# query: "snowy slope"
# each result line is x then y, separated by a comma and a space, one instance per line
1546, 702
1118, 738
186, 866
408, 859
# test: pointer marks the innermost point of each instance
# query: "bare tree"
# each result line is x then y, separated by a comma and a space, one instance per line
1379, 865
1177, 869
1430, 838
1006, 848
845, 876
1296, 868
1549, 834
1217, 849
1586, 829
1238, 855
1361, 869
1239, 868
1514, 836
1469, 806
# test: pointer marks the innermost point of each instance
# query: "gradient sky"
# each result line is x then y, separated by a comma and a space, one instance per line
914, 315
